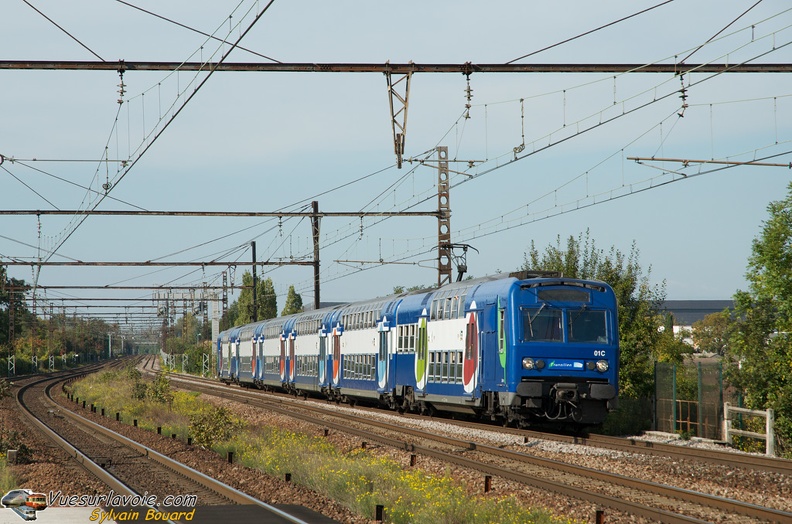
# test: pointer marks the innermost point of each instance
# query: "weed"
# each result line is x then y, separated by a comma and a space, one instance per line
357, 479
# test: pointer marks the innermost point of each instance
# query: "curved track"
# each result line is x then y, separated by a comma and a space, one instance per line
127, 467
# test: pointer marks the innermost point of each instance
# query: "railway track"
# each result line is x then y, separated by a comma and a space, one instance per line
651, 500
632, 445
133, 472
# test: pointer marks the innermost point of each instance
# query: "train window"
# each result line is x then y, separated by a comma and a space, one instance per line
542, 325
406, 341
564, 295
501, 330
587, 326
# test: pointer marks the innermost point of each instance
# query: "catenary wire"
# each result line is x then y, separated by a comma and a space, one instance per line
178, 111
62, 29
590, 31
719, 32
196, 30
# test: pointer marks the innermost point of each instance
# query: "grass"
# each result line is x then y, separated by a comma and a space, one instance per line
357, 479
7, 480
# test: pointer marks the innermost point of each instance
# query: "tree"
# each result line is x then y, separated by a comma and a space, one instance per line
294, 303
398, 290
759, 353
241, 312
11, 296
642, 342
711, 334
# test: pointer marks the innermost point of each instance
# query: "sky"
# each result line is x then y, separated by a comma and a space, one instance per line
275, 141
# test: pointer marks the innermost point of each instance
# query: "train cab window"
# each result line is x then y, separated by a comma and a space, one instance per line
542, 325
587, 326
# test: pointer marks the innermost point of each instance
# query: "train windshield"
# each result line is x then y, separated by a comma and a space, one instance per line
543, 324
587, 326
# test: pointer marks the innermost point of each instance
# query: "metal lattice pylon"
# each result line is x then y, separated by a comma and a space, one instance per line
399, 103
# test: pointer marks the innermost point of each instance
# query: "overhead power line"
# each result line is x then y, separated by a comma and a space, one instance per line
50, 20
202, 33
566, 41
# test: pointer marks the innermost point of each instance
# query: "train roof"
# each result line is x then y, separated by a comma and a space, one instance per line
334, 312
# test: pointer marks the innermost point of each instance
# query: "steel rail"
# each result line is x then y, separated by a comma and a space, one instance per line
543, 484
92, 467
196, 476
720, 503
632, 445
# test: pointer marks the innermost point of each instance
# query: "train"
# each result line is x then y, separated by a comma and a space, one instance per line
522, 349
25, 502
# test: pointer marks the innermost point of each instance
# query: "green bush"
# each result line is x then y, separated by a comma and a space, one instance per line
210, 427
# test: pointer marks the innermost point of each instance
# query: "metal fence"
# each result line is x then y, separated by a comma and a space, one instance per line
689, 399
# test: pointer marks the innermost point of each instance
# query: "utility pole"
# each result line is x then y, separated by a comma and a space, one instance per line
225, 292
443, 219
254, 315
315, 222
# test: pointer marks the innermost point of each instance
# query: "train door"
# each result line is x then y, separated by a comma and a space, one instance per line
502, 357
422, 352
219, 351
233, 358
336, 359
383, 330
233, 354
470, 361
292, 357
322, 357
282, 360
255, 365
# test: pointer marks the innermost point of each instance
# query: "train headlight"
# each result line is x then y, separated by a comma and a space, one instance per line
528, 363
602, 366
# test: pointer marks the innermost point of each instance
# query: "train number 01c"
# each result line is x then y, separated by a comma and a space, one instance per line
599, 352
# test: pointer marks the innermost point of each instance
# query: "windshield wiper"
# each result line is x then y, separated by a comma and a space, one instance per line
532, 318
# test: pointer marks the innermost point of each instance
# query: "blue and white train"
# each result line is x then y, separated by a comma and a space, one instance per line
520, 349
